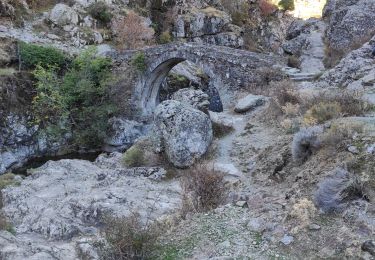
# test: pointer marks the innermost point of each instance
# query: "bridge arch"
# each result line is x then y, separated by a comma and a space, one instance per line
229, 70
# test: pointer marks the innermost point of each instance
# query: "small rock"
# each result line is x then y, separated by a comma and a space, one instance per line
241, 203
287, 240
369, 246
314, 227
353, 149
248, 103
256, 225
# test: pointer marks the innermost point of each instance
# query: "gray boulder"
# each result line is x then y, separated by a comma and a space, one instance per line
182, 132
249, 102
195, 98
62, 15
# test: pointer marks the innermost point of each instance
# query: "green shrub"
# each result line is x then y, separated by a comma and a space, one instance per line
32, 55
100, 12
134, 157
165, 38
287, 4
78, 101
139, 61
48, 104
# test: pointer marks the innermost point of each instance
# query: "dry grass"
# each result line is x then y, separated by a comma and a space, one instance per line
322, 112
294, 62
340, 135
203, 189
333, 56
132, 32
128, 238
266, 7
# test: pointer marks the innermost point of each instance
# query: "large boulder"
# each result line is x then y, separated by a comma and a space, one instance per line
193, 97
350, 22
62, 15
182, 132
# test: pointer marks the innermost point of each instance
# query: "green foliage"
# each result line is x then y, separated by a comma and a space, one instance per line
33, 55
287, 4
165, 38
139, 61
48, 104
134, 157
100, 12
76, 102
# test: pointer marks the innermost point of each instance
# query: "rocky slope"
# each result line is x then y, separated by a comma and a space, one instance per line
293, 159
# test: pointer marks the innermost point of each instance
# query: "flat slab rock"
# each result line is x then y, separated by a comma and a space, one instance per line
249, 102
65, 200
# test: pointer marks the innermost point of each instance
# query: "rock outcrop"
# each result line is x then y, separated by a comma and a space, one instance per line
62, 15
350, 22
355, 72
208, 25
68, 199
182, 132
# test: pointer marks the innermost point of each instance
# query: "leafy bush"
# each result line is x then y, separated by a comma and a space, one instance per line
338, 189
100, 12
139, 62
287, 4
78, 101
165, 37
134, 157
322, 112
48, 104
305, 143
128, 238
32, 55
203, 189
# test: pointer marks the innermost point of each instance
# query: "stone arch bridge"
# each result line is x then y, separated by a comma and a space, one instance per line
229, 69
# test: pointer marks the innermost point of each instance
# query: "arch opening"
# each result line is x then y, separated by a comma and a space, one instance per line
173, 75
